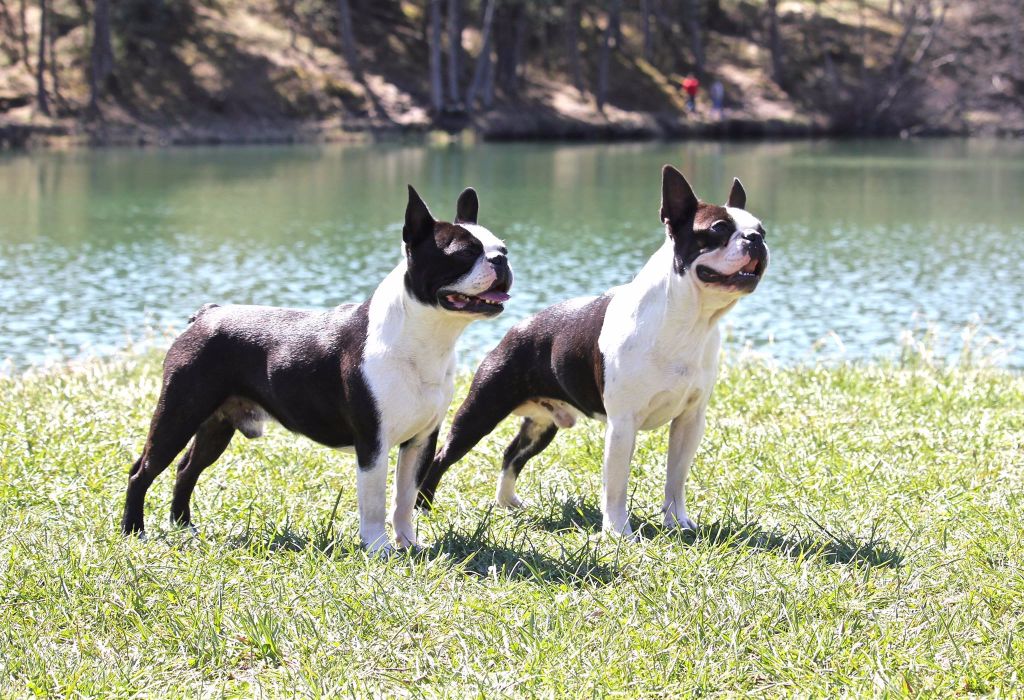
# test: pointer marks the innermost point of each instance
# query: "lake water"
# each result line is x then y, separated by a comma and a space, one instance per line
869, 239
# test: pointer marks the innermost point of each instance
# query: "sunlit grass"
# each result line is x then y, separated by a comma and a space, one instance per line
860, 532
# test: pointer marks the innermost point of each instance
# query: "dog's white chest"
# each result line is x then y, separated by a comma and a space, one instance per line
411, 399
656, 367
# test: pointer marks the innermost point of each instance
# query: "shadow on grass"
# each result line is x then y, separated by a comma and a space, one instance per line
835, 548
514, 556
831, 548
476, 553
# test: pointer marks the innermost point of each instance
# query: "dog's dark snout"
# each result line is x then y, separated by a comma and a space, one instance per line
753, 235
501, 270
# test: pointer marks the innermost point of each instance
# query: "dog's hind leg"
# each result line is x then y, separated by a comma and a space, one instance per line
178, 416
489, 402
534, 435
210, 441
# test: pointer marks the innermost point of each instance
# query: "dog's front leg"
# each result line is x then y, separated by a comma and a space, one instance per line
684, 437
371, 491
413, 456
619, 440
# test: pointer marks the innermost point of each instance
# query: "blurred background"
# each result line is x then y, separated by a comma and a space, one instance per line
185, 71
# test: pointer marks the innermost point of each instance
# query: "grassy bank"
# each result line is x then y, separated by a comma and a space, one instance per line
860, 531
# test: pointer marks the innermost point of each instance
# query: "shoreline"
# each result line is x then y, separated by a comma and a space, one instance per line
497, 126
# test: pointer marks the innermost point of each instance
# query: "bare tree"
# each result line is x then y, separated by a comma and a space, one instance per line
611, 34
42, 101
509, 33
572, 43
436, 86
693, 25
899, 79
348, 40
454, 48
645, 20
774, 41
1016, 22
483, 61
24, 33
101, 61
54, 79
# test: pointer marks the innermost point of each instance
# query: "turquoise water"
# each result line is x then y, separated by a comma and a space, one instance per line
869, 238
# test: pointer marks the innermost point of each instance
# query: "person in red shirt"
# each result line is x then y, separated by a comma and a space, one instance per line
690, 86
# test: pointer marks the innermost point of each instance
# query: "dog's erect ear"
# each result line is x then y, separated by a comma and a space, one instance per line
678, 202
467, 207
737, 195
419, 223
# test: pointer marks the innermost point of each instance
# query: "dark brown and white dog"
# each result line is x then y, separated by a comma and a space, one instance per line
363, 377
638, 357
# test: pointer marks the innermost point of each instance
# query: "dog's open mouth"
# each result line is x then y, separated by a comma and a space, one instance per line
489, 302
746, 277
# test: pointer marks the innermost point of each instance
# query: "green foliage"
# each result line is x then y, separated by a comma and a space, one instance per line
860, 535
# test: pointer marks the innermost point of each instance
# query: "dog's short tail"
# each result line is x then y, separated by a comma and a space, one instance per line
202, 310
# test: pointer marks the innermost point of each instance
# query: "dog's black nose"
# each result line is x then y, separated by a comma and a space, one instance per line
502, 271
753, 235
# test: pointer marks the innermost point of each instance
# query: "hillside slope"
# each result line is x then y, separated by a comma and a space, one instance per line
273, 70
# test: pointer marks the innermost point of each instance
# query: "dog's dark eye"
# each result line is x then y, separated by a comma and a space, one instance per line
721, 227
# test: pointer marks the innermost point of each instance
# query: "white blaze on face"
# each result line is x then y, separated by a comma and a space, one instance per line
732, 257
482, 276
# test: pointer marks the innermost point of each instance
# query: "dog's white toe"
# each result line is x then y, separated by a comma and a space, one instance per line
674, 521
511, 502
624, 532
405, 538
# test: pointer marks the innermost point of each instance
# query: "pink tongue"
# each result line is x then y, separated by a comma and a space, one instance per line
495, 296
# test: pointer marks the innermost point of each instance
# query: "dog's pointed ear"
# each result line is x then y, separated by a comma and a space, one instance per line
467, 208
737, 195
678, 202
419, 223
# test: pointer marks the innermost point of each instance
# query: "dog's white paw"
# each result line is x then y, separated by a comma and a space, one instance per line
405, 537
511, 501
679, 521
377, 543
622, 531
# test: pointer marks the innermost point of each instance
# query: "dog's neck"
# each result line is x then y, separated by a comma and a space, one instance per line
400, 324
689, 310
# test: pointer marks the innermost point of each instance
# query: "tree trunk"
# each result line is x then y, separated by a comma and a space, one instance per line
101, 63
348, 40
611, 32
572, 43
1016, 20
42, 101
54, 80
645, 19
24, 34
508, 25
436, 86
488, 98
774, 41
454, 48
693, 26
483, 61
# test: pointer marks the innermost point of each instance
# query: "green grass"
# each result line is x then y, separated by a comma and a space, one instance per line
861, 533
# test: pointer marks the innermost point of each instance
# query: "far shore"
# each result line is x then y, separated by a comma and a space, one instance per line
497, 125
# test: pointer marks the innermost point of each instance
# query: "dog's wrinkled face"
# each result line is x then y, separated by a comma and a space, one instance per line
719, 248
460, 267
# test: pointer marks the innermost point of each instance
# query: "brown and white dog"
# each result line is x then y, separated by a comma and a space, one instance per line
637, 357
360, 377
